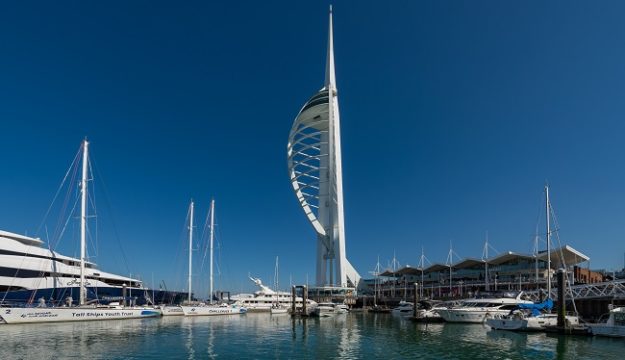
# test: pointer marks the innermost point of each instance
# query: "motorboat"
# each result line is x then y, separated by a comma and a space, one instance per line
477, 310
405, 308
263, 299
427, 310
324, 309
614, 326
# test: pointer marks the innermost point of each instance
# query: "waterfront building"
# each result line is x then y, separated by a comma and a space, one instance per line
315, 169
469, 276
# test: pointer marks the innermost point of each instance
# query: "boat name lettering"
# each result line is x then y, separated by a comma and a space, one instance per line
46, 314
99, 314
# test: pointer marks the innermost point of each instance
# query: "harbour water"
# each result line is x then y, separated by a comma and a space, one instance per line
262, 336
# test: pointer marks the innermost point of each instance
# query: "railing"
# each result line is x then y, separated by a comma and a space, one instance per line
612, 289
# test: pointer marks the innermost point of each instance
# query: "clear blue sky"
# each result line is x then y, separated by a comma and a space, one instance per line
454, 114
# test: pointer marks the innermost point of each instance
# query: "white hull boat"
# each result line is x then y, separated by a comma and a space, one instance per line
531, 323
530, 317
404, 309
171, 310
479, 310
39, 315
324, 310
265, 298
202, 309
213, 310
614, 327
427, 310
275, 310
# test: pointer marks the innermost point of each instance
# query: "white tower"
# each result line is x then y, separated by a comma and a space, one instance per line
314, 161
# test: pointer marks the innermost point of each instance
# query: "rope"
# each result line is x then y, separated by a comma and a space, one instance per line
58, 191
561, 254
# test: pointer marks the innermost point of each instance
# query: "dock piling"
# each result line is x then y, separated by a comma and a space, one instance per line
561, 299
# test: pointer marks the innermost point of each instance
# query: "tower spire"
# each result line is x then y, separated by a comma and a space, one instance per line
330, 83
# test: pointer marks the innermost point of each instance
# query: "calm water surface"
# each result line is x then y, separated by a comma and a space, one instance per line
262, 336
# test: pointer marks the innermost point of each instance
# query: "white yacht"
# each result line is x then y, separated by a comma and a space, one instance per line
614, 327
263, 299
427, 310
29, 271
324, 310
404, 308
477, 310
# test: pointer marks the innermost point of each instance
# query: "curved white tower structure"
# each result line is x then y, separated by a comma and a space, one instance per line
314, 160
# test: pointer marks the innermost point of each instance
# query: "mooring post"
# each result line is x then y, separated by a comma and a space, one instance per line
293, 308
304, 300
415, 299
561, 299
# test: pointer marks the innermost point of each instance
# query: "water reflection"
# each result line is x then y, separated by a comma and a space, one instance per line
253, 336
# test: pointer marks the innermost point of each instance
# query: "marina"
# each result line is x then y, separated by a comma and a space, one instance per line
422, 185
261, 336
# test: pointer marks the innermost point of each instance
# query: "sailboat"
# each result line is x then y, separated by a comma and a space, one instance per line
533, 317
176, 310
82, 312
203, 309
276, 306
377, 308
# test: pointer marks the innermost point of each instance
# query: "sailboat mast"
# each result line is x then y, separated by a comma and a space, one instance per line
212, 238
83, 221
485, 258
190, 245
422, 267
277, 276
376, 284
547, 208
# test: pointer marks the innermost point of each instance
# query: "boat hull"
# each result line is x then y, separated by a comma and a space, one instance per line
608, 330
41, 315
275, 311
212, 310
470, 316
535, 323
172, 311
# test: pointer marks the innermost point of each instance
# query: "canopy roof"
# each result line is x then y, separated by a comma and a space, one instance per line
564, 256
560, 257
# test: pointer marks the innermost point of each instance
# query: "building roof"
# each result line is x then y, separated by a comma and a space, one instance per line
467, 263
570, 256
406, 270
564, 256
507, 257
436, 267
